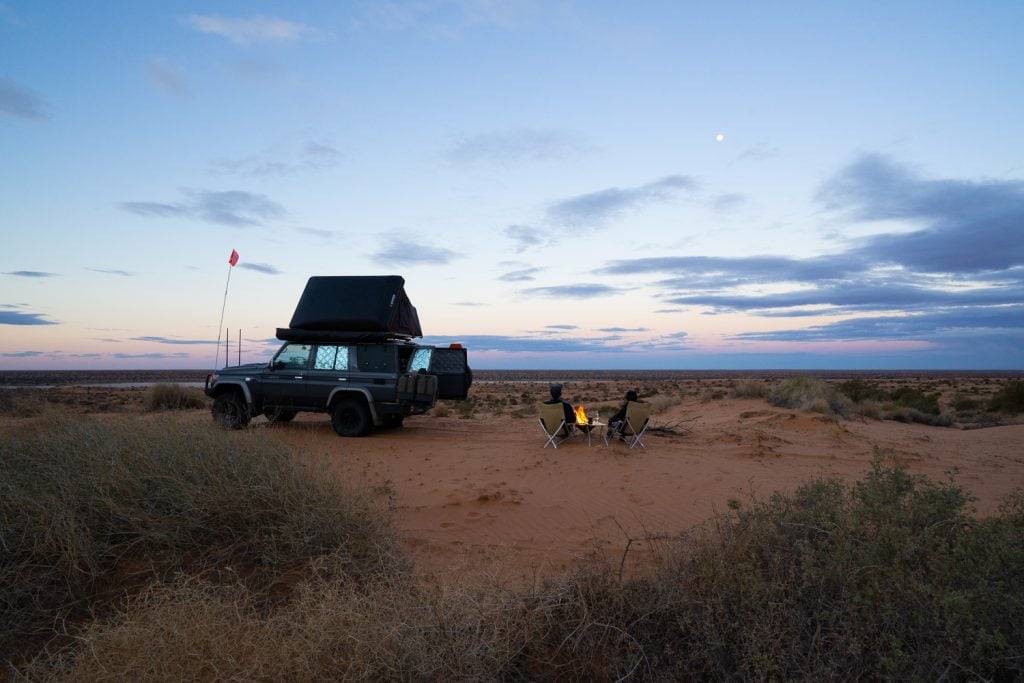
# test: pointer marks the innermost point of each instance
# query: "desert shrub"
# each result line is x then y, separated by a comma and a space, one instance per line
858, 390
91, 508
164, 396
891, 578
441, 410
810, 394
916, 399
749, 388
660, 403
21, 402
902, 413
962, 403
1009, 399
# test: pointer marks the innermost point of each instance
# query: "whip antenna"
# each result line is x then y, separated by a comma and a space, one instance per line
232, 260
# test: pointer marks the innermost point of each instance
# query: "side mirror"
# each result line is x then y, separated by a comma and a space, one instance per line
276, 364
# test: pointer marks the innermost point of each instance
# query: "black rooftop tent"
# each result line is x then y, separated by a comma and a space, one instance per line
353, 307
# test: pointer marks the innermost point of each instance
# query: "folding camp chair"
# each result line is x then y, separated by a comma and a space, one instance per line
552, 421
632, 428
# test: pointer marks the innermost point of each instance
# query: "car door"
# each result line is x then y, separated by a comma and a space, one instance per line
331, 363
284, 383
376, 370
453, 374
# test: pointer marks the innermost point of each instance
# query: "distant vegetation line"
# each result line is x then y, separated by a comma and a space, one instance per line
80, 377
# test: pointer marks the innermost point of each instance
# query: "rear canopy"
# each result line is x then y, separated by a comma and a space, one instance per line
362, 305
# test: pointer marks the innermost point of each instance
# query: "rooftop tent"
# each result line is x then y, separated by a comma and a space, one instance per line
357, 305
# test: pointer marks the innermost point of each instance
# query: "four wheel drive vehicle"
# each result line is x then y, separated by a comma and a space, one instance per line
347, 353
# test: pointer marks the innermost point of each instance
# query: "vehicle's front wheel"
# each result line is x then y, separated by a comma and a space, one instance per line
229, 411
351, 417
279, 415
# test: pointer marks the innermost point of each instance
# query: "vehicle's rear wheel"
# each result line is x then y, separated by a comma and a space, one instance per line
230, 411
351, 417
279, 415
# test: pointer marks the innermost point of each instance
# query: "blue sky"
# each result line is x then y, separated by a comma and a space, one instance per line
562, 184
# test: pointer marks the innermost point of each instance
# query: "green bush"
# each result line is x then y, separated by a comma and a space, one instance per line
916, 399
892, 578
1009, 399
858, 390
165, 396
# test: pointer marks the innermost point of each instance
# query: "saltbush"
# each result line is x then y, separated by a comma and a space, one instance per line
1009, 399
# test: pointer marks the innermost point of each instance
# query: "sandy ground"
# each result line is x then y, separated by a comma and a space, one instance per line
484, 494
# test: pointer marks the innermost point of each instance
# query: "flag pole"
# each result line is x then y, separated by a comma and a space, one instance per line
232, 260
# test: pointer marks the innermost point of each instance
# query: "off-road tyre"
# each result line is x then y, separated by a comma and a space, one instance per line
279, 415
351, 417
230, 411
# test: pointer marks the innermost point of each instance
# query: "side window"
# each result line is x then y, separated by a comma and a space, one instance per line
331, 357
377, 358
420, 360
293, 356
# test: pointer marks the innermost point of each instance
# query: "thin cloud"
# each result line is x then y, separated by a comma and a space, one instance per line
282, 160
30, 273
20, 102
522, 144
408, 253
173, 340
524, 237
561, 327
234, 208
148, 356
167, 77
112, 271
596, 208
576, 291
919, 326
523, 275
264, 268
727, 201
622, 329
25, 354
258, 29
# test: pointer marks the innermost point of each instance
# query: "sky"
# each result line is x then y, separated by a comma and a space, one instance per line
563, 184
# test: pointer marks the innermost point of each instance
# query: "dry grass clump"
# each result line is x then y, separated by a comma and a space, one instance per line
93, 510
170, 396
393, 627
810, 394
750, 388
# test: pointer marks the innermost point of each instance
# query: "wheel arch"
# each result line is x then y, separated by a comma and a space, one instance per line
354, 392
237, 387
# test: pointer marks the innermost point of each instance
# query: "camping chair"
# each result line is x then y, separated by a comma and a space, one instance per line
631, 429
552, 421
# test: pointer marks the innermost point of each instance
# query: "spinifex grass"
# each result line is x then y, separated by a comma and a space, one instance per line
92, 509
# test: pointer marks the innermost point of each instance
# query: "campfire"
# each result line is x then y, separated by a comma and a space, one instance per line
581, 415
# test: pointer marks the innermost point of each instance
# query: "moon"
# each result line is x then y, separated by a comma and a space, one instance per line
719, 137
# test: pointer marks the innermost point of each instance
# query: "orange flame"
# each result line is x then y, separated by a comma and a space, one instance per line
581, 415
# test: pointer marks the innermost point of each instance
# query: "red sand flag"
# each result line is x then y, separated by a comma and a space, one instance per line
234, 257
